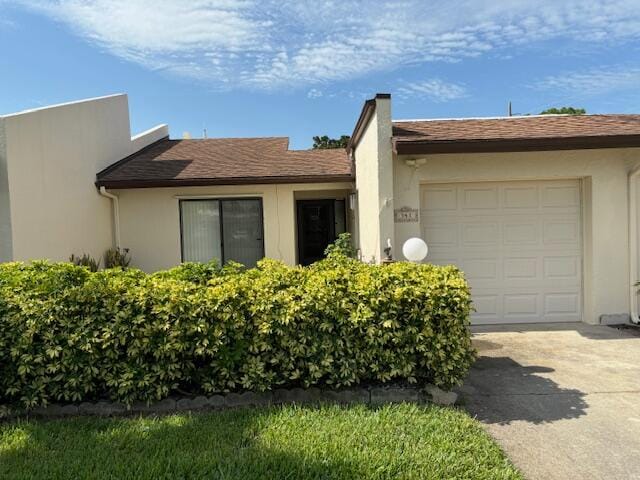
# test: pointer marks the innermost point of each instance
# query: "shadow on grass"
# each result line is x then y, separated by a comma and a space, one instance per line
327, 442
181, 446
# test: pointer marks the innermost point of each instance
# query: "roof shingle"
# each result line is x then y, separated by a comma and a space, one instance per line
542, 126
226, 161
546, 130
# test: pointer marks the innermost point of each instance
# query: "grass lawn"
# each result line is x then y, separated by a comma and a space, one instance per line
330, 442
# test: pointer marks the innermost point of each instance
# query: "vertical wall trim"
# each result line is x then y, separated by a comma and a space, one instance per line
6, 236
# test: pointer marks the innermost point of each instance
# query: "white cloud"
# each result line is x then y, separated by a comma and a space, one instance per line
314, 93
433, 89
275, 44
6, 23
592, 82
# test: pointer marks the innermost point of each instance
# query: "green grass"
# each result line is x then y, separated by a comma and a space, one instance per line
330, 442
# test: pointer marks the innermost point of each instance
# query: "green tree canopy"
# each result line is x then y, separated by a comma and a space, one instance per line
325, 142
564, 111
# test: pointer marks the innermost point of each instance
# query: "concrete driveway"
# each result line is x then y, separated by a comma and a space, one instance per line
563, 400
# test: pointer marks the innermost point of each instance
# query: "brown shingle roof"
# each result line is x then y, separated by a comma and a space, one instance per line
225, 161
545, 132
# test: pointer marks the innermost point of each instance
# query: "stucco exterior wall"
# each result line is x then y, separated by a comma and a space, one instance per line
374, 183
6, 242
603, 175
52, 156
150, 218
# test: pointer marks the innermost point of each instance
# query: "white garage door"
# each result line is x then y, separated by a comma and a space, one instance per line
519, 244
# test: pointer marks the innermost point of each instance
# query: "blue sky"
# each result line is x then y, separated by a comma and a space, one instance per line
298, 68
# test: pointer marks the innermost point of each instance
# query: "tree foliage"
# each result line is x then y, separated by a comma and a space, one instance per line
324, 141
564, 111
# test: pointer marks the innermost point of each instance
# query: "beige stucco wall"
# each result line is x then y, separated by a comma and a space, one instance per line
52, 156
374, 183
6, 242
150, 218
605, 206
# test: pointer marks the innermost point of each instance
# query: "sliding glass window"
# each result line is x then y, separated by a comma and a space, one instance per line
222, 229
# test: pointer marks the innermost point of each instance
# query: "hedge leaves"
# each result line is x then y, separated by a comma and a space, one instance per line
67, 334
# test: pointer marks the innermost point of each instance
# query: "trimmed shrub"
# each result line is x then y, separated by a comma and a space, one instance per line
68, 334
85, 260
117, 258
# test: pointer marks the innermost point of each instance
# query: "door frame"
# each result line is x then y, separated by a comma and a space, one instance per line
331, 202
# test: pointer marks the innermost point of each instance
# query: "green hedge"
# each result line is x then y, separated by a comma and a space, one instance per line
67, 334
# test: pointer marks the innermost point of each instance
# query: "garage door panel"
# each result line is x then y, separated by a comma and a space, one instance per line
519, 268
523, 232
474, 198
440, 199
521, 197
518, 243
519, 304
559, 303
560, 196
486, 307
442, 235
566, 267
565, 231
480, 269
481, 233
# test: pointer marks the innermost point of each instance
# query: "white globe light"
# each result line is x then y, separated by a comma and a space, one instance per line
415, 249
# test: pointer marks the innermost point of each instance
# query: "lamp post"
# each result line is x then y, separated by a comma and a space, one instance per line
415, 250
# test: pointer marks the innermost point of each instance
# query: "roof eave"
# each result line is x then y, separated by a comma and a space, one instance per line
201, 182
115, 165
368, 109
363, 120
413, 147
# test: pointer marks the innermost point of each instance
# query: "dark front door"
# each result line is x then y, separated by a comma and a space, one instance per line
316, 229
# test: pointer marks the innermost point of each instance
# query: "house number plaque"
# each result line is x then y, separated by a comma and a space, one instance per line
406, 215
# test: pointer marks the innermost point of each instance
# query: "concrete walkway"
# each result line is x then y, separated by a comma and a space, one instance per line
563, 400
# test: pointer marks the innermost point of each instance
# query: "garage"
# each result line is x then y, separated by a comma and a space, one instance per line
519, 244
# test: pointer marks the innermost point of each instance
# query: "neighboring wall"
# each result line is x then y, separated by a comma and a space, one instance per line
52, 156
374, 183
6, 243
605, 206
150, 218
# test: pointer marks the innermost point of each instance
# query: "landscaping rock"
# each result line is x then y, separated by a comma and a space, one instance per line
441, 397
54, 410
299, 396
197, 403
163, 406
382, 395
248, 399
347, 396
216, 401
465, 390
103, 408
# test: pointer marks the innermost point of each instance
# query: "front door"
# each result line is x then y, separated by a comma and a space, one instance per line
317, 228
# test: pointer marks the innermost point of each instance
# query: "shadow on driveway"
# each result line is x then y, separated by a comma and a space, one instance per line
501, 390
563, 400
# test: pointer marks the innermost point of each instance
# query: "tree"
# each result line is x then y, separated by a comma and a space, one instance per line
326, 142
564, 111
